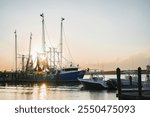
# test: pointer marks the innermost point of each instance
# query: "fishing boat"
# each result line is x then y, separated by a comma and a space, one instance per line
94, 82
66, 74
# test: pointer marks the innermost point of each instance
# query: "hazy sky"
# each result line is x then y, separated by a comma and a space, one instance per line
103, 34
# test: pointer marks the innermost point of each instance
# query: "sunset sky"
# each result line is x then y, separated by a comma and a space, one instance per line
103, 34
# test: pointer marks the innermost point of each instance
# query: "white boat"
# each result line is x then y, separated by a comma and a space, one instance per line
95, 81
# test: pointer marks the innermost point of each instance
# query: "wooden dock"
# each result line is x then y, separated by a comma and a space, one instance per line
132, 94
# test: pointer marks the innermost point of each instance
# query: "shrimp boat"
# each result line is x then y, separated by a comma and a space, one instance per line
66, 74
94, 82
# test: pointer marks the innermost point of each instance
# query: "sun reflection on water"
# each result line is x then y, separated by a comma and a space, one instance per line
47, 91
43, 91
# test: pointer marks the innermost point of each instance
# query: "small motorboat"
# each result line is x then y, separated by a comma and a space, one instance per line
94, 82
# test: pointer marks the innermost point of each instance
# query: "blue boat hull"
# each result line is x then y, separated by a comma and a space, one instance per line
71, 76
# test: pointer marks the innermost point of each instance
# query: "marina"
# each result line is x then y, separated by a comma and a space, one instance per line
74, 58
39, 65
47, 90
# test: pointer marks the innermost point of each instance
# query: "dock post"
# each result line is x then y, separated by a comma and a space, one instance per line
139, 82
119, 83
130, 78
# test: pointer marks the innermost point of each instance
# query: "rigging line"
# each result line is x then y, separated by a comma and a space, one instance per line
67, 45
68, 61
48, 38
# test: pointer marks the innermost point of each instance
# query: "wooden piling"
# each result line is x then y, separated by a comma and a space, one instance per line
130, 78
139, 82
134, 94
119, 82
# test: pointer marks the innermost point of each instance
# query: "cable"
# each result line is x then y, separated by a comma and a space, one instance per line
67, 45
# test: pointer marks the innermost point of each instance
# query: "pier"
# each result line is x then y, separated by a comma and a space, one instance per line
139, 93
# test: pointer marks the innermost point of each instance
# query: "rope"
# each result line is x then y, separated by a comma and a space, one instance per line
48, 38
67, 45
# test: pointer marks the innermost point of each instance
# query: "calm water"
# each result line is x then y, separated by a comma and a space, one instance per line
43, 91
48, 92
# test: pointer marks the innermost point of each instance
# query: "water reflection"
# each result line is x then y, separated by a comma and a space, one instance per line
48, 91
43, 91
53, 91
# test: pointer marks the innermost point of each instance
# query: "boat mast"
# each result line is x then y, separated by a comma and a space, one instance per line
15, 51
23, 56
50, 58
54, 51
29, 56
30, 45
61, 40
43, 34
